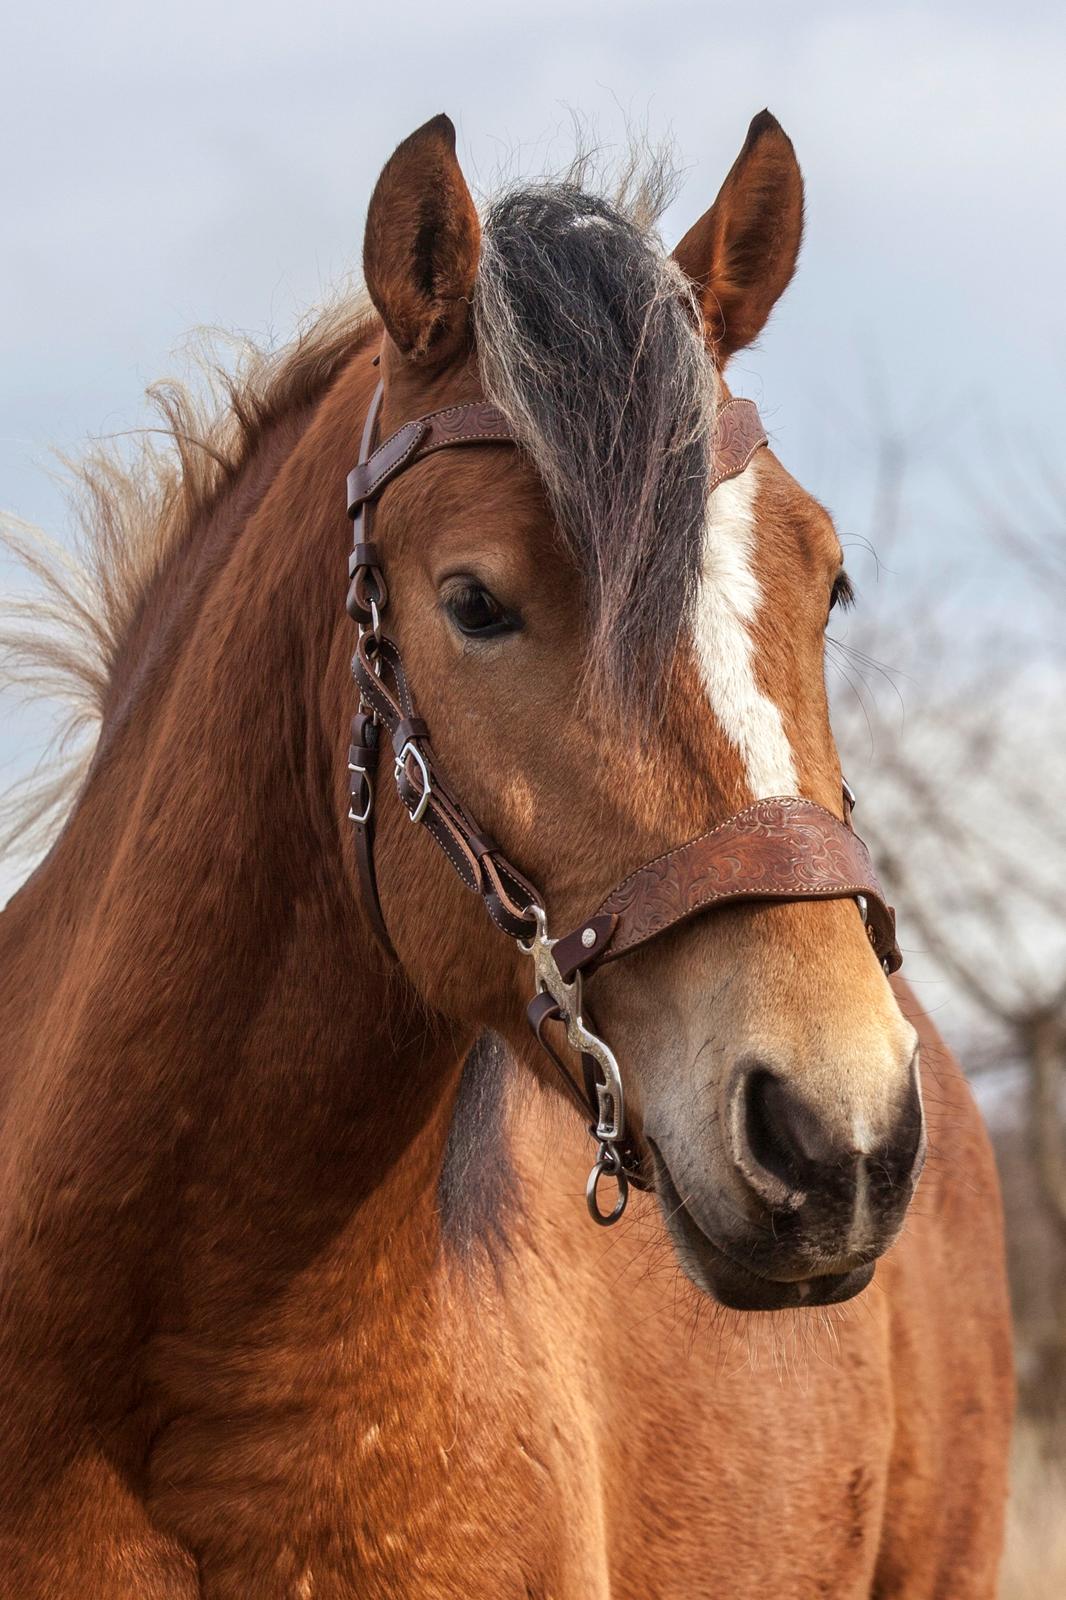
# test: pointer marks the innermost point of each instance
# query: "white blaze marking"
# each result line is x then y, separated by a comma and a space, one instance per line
727, 603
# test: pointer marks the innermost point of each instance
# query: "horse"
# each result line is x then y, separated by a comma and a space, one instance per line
299, 1295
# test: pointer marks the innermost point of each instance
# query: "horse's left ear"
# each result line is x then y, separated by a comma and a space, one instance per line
742, 253
420, 251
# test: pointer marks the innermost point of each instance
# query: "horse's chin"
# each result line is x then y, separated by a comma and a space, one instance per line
732, 1284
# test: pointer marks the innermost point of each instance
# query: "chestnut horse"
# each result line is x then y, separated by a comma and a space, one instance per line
295, 1303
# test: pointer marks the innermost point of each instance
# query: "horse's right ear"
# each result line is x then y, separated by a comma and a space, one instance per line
420, 252
742, 253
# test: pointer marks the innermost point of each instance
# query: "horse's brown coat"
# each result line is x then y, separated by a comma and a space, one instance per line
235, 1359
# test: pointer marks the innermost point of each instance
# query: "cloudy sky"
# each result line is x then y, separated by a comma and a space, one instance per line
211, 163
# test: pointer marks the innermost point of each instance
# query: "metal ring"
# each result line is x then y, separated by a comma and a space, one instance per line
540, 929
609, 1162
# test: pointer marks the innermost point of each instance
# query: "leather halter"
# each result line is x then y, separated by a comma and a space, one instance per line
773, 850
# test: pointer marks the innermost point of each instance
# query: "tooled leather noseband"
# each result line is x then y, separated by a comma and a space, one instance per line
773, 850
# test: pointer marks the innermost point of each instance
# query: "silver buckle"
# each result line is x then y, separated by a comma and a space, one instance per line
362, 817
411, 749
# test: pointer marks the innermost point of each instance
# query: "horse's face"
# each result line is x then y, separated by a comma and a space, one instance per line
767, 1065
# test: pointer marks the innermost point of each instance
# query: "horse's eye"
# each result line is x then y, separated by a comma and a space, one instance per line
478, 614
843, 594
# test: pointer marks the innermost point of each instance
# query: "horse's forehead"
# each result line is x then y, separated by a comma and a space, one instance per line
489, 495
790, 523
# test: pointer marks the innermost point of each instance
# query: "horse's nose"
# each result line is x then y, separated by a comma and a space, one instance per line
791, 1157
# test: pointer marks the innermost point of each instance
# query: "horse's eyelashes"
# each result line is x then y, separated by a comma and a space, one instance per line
843, 593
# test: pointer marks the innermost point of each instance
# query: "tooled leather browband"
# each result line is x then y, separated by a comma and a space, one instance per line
738, 434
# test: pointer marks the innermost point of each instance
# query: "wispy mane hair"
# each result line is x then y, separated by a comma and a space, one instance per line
587, 338
61, 640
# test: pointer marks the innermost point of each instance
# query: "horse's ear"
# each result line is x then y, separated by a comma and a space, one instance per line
420, 251
742, 253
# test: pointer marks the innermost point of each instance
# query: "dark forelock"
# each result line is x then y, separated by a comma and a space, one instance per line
587, 339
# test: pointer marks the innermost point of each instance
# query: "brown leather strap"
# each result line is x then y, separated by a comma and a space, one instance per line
738, 434
542, 1009
384, 689
363, 755
475, 423
366, 581
773, 850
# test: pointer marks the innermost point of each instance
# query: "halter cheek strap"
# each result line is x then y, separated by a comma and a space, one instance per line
772, 851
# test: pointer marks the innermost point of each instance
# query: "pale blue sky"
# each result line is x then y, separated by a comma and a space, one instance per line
211, 164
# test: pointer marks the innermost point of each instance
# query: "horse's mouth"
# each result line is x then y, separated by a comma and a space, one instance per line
727, 1280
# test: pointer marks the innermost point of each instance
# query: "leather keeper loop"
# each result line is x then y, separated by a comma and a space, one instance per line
406, 729
368, 584
481, 844
363, 555
363, 750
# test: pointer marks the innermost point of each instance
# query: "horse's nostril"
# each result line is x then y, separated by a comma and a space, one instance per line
788, 1154
766, 1155
766, 1125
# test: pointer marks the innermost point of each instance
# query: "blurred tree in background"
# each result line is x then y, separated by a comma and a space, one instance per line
955, 737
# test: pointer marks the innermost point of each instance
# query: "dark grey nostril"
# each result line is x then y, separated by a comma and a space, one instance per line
787, 1153
793, 1142
765, 1127
764, 1153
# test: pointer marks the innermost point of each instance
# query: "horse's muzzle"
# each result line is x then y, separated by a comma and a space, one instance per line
803, 1212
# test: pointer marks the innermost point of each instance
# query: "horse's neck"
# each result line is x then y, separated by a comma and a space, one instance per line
214, 1086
